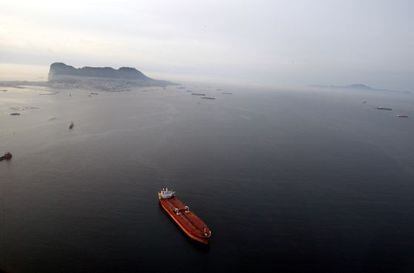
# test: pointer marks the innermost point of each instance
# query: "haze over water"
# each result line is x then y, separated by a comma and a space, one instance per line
288, 180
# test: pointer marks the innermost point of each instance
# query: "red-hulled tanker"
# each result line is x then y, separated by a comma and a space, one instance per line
190, 223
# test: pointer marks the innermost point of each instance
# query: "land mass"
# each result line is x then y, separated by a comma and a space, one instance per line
103, 78
60, 71
358, 86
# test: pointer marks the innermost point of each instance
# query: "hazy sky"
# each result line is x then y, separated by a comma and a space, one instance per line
279, 42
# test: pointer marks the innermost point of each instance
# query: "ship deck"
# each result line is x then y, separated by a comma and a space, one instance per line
187, 220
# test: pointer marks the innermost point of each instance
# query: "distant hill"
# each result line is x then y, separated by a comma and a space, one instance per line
357, 86
103, 78
58, 71
349, 86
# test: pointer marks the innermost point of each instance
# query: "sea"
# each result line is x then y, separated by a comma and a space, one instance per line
287, 179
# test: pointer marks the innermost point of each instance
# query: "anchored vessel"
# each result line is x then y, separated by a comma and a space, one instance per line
190, 223
384, 108
6, 156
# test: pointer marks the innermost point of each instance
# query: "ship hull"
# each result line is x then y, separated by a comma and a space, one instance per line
188, 222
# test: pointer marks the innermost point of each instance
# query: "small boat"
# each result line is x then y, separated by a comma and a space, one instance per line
208, 98
384, 108
227, 93
15, 114
401, 116
6, 156
71, 125
189, 223
198, 94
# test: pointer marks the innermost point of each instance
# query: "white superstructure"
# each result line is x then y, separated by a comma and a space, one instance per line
165, 193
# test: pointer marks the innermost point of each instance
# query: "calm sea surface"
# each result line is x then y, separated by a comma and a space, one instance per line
288, 180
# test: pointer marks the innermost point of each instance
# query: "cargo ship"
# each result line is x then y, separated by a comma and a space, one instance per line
384, 108
189, 223
6, 156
